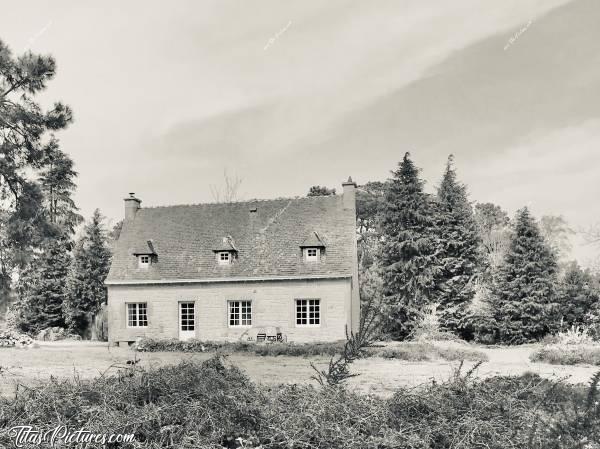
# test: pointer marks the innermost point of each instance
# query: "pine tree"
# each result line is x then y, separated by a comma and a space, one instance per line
460, 250
408, 249
579, 299
91, 262
43, 289
524, 286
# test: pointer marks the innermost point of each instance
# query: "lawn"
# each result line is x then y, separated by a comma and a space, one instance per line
378, 375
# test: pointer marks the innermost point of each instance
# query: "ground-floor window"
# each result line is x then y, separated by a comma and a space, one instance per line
188, 318
308, 312
240, 313
137, 314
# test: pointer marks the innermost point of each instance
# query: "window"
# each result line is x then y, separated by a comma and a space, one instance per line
144, 261
137, 314
308, 312
311, 254
240, 313
224, 258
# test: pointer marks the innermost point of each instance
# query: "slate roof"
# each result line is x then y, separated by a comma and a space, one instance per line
268, 241
144, 248
313, 240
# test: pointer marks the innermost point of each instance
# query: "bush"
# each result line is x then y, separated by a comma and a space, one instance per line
561, 354
266, 349
575, 335
214, 405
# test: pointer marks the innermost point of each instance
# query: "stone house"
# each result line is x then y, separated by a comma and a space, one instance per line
264, 269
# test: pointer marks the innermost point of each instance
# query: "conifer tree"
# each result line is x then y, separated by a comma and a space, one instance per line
42, 288
579, 298
408, 249
91, 262
460, 249
524, 286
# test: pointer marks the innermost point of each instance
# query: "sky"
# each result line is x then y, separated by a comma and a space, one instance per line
286, 95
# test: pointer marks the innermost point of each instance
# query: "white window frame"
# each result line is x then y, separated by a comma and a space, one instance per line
224, 257
144, 260
239, 311
309, 257
137, 308
302, 307
187, 316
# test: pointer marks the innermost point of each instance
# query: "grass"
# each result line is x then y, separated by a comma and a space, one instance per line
560, 354
212, 404
409, 351
419, 352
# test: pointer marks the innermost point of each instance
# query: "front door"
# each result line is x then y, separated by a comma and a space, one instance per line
187, 320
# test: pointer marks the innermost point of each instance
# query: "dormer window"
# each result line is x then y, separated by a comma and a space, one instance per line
312, 247
225, 251
224, 257
312, 254
145, 253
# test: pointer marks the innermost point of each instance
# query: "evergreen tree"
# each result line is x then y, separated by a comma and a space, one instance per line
408, 249
524, 285
42, 288
57, 180
320, 191
91, 262
460, 250
579, 297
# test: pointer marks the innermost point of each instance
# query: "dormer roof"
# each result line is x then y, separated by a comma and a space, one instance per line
144, 249
312, 241
225, 244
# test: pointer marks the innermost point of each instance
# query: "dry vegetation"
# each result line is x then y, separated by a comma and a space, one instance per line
214, 405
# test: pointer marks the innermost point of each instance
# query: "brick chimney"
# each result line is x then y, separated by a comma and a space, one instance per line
349, 194
132, 204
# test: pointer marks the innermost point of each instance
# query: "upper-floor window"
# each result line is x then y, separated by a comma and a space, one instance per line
224, 257
144, 261
137, 314
312, 254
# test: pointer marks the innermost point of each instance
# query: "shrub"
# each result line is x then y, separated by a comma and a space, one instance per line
561, 354
575, 335
214, 405
266, 349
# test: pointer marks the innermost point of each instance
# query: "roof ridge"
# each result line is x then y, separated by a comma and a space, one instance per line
265, 200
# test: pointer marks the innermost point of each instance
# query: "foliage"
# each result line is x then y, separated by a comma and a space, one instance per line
27, 146
355, 347
320, 191
524, 285
557, 233
91, 262
214, 405
57, 181
575, 335
579, 298
459, 254
408, 253
369, 199
568, 354
42, 289
267, 349
429, 328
